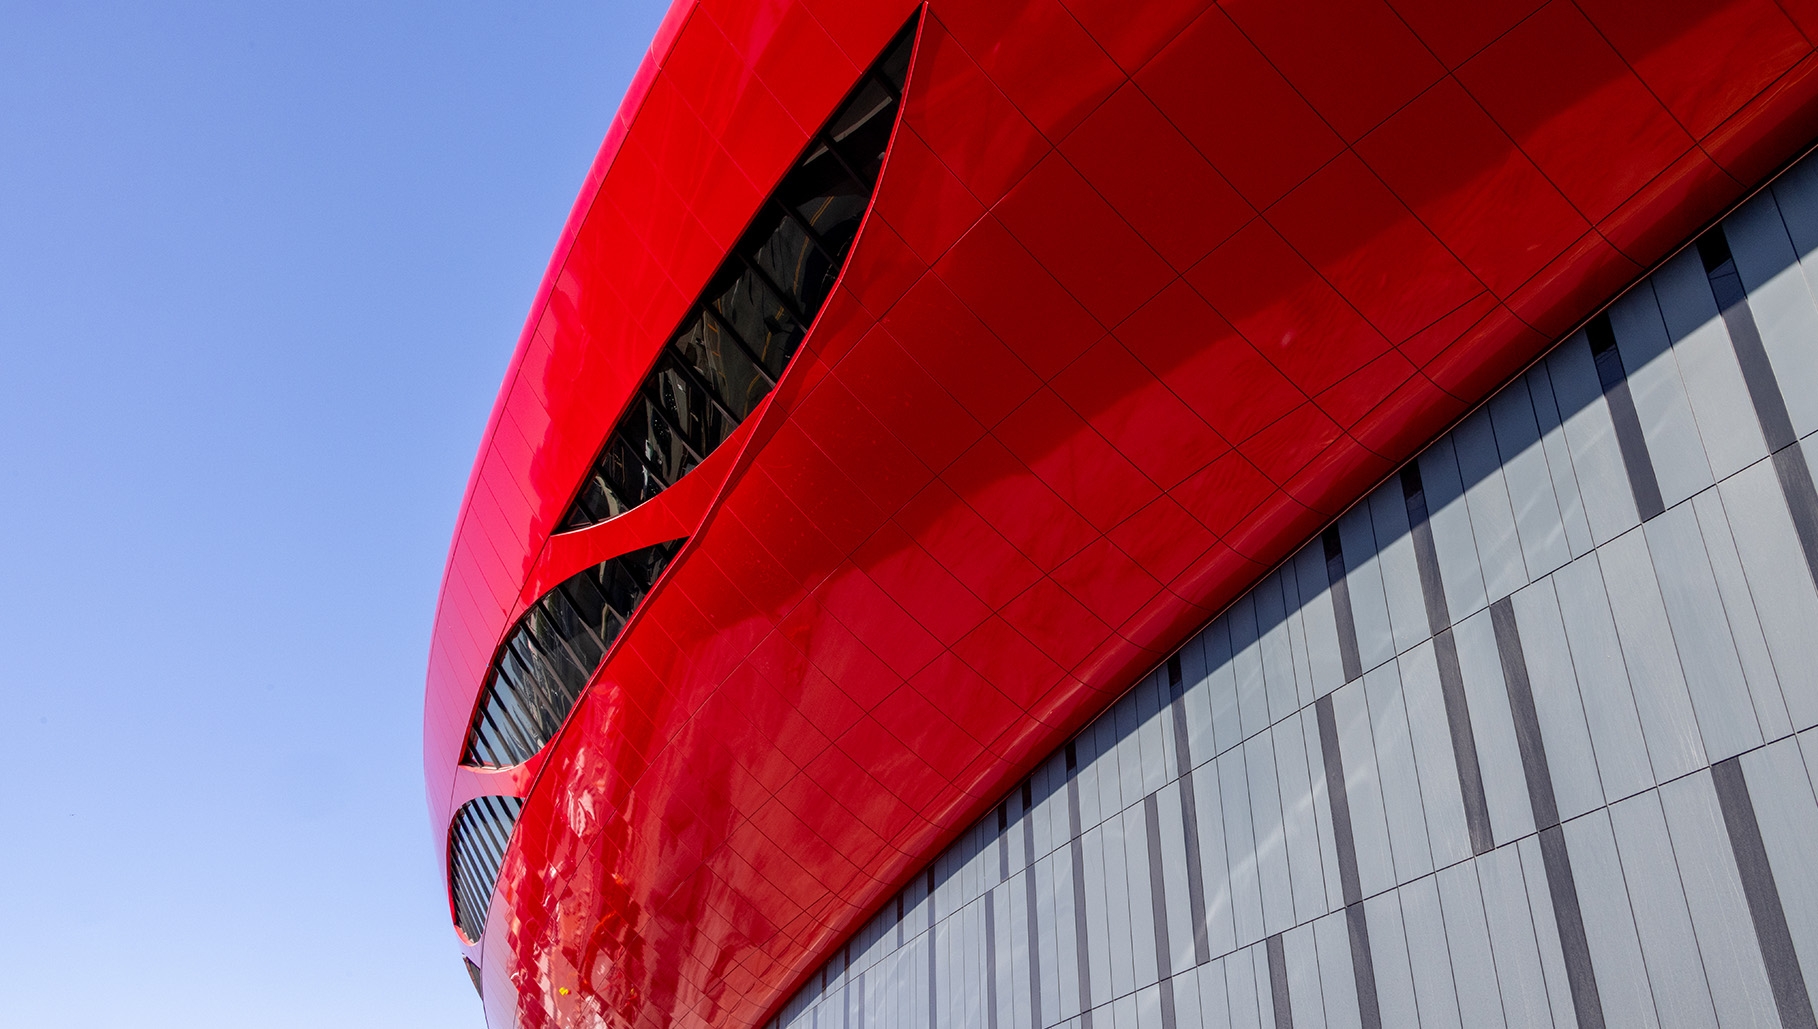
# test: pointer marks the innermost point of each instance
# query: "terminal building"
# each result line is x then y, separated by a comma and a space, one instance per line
1156, 514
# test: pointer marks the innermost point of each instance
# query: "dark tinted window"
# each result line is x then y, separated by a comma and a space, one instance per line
476, 847
745, 326
551, 653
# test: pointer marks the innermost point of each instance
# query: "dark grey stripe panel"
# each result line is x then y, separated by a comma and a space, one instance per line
1763, 896
1344, 839
990, 962
1764, 391
1003, 841
1278, 983
1745, 337
1426, 555
1801, 501
1348, 653
1078, 853
1035, 937
1561, 884
1158, 902
1629, 438
1189, 814
1464, 743
1363, 967
1563, 889
1527, 719
934, 1021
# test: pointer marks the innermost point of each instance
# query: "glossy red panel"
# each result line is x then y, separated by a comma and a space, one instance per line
1018, 300
1703, 59
1361, 238
1455, 31
1112, 278
1134, 33
1263, 145
989, 153
1458, 170
1355, 61
1018, 45
1105, 350
1154, 178
1575, 108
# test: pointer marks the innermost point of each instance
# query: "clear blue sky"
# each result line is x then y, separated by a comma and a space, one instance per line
261, 270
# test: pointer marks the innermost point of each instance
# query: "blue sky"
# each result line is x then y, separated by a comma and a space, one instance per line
261, 269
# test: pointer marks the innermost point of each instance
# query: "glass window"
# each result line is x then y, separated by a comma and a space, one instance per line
553, 651
476, 849
745, 326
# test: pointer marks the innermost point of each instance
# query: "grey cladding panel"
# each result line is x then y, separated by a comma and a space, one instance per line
1460, 774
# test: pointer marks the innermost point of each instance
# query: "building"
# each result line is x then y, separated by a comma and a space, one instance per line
1159, 516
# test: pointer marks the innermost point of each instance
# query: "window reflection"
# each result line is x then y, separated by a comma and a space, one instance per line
552, 652
743, 329
476, 848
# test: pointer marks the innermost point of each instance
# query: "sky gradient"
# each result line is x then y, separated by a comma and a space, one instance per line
261, 271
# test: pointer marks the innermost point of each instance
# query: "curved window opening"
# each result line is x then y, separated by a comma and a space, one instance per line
476, 849
742, 330
553, 651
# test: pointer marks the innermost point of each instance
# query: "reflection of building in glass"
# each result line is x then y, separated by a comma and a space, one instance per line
985, 528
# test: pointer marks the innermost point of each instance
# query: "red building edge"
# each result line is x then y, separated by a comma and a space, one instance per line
1145, 296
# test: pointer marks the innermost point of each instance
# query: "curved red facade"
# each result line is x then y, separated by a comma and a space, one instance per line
1147, 295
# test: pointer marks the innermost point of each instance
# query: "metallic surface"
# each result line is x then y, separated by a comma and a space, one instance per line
1110, 344
1525, 739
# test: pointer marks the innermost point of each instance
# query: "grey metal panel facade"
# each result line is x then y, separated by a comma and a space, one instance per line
1507, 746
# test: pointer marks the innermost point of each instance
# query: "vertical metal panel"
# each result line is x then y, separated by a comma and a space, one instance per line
1487, 497
1363, 576
1389, 959
1659, 396
1467, 938
1249, 1007
1299, 830
1663, 920
1559, 459
1530, 482
1441, 799
1214, 838
1435, 988
1787, 814
1661, 698
1394, 548
1577, 787
1513, 943
1784, 598
1504, 782
1271, 845
1337, 979
1241, 847
1712, 376
1713, 671
1273, 644
1739, 614
1780, 302
1546, 934
1622, 979
1395, 766
1603, 480
1450, 518
1363, 791
1317, 619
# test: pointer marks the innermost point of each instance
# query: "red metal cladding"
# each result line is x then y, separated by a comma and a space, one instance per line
1149, 292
